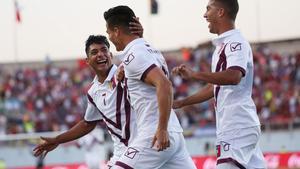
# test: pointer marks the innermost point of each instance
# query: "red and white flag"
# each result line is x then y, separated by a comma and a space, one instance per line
17, 11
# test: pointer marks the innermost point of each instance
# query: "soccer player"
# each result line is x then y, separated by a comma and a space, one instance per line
159, 142
107, 101
230, 83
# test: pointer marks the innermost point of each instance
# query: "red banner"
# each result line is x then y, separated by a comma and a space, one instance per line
273, 160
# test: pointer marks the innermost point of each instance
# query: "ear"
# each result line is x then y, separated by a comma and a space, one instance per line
111, 55
87, 60
116, 31
221, 12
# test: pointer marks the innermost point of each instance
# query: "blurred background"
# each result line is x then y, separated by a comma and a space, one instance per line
44, 78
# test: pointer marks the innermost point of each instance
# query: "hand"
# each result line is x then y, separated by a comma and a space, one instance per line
120, 73
136, 27
177, 104
48, 144
161, 137
183, 71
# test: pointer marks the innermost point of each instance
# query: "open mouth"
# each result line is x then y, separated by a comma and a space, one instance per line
100, 62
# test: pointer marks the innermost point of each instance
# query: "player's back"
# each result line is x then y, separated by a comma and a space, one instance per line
139, 59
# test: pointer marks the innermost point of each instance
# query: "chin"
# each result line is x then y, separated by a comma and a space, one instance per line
212, 31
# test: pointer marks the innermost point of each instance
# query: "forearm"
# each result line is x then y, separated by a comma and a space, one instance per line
202, 95
227, 77
77, 131
165, 98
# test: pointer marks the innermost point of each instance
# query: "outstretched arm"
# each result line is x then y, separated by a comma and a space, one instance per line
77, 131
226, 77
202, 95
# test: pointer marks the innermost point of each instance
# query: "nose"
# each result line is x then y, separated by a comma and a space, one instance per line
205, 15
100, 54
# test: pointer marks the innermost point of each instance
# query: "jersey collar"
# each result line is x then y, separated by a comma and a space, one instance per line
109, 76
132, 43
220, 39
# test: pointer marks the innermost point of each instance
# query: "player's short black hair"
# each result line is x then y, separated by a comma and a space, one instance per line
231, 6
97, 39
119, 16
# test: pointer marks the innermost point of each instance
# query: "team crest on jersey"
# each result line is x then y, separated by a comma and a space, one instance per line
131, 152
129, 58
235, 46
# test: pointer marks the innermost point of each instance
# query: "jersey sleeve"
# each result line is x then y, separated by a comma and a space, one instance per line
139, 64
92, 113
237, 56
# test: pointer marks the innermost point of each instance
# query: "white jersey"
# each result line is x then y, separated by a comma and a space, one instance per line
108, 101
234, 106
138, 59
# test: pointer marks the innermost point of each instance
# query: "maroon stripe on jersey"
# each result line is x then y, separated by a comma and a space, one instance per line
114, 133
221, 65
123, 165
230, 160
106, 119
147, 71
118, 105
238, 68
128, 116
91, 100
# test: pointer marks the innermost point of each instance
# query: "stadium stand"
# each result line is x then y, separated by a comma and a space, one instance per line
52, 98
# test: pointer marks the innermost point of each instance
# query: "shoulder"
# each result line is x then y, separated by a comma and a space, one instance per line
137, 55
91, 88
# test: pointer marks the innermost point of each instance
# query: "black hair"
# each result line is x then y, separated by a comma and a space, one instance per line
231, 6
119, 16
97, 39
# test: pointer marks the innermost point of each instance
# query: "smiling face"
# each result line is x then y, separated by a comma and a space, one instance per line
99, 58
212, 16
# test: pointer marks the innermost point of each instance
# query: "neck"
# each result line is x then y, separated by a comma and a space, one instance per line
103, 75
127, 39
226, 27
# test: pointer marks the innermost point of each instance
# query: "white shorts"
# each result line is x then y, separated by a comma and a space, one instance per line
140, 155
240, 147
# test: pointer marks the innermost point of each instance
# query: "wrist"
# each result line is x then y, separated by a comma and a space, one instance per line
57, 140
162, 128
181, 103
194, 76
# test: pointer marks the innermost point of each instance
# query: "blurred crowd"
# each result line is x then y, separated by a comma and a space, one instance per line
43, 99
53, 98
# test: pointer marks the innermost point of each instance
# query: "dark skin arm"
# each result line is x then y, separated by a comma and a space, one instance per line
227, 77
136, 27
50, 143
202, 95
